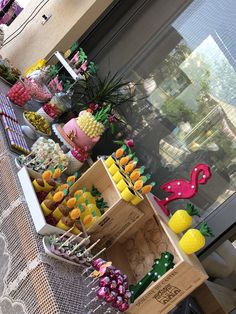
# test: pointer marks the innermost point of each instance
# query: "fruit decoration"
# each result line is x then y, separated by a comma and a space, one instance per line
194, 240
182, 219
147, 188
159, 268
90, 125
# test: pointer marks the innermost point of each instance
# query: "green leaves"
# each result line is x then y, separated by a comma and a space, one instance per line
192, 211
102, 205
94, 191
205, 230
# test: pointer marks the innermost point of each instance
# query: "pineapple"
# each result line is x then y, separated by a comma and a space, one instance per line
193, 240
89, 125
182, 219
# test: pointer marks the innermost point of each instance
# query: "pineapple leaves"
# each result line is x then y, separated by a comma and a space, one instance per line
95, 192
205, 230
192, 211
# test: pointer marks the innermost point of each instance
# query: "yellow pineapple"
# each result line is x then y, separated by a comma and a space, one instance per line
182, 219
193, 240
89, 125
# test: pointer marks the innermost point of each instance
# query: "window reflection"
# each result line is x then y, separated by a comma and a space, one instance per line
188, 114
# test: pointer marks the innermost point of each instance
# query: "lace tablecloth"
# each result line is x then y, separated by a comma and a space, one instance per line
30, 281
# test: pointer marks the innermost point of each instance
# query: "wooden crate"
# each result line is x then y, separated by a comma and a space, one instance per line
41, 226
119, 217
134, 254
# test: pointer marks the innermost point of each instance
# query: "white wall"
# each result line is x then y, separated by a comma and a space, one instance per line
70, 19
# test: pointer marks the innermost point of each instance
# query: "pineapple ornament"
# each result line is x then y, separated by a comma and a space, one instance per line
193, 240
182, 219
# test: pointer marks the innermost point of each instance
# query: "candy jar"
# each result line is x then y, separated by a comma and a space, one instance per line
59, 104
37, 89
19, 93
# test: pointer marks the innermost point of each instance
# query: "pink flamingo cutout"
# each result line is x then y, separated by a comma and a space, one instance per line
183, 189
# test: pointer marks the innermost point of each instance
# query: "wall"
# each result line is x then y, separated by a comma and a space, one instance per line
70, 19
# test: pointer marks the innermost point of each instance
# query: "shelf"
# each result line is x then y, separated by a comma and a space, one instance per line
65, 64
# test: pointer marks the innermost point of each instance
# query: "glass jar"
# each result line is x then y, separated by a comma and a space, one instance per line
59, 104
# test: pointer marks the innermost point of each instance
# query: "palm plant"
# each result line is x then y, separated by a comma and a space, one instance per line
110, 90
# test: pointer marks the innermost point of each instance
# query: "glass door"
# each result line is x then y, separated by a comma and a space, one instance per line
184, 60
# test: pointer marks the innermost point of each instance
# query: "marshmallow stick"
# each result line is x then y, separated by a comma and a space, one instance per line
64, 170
100, 252
97, 308
65, 234
87, 269
66, 242
94, 281
31, 160
78, 245
91, 301
90, 248
92, 291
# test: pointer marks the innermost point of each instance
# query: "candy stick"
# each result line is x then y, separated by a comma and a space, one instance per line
90, 248
92, 291
78, 245
65, 234
91, 259
108, 311
94, 281
66, 242
64, 170
91, 301
97, 308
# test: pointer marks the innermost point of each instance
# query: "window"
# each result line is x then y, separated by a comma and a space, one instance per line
184, 59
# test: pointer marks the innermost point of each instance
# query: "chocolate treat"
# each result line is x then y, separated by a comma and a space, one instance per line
64, 210
50, 204
40, 182
67, 221
51, 182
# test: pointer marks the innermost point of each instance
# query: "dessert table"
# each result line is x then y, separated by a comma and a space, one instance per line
30, 281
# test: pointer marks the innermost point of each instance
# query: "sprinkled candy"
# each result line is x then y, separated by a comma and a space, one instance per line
123, 307
110, 297
104, 282
121, 290
113, 285
102, 292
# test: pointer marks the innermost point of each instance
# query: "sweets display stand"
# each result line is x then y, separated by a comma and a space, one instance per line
135, 251
58, 130
119, 217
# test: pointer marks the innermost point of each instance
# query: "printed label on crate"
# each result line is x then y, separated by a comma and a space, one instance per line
171, 290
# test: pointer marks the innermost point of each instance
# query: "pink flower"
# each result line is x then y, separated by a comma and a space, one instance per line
93, 106
112, 118
84, 66
129, 143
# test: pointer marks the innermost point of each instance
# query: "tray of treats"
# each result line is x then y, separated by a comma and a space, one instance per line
15, 136
6, 108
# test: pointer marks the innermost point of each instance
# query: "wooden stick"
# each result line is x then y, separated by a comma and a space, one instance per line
66, 242
90, 248
100, 252
65, 234
78, 245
